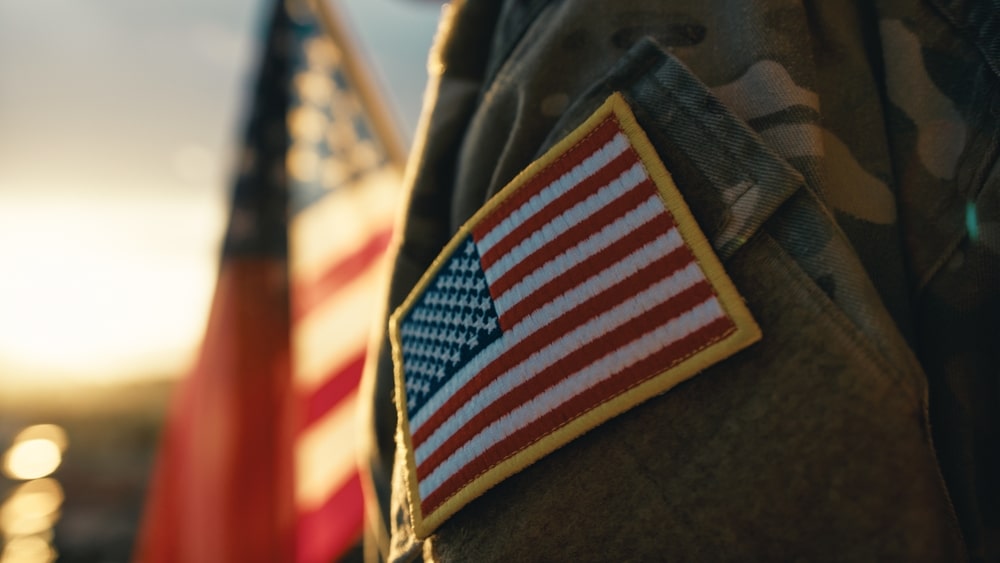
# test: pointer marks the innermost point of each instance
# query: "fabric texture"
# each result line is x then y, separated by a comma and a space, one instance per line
841, 159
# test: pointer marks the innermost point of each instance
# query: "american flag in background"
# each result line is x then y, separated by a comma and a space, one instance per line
344, 190
576, 287
258, 458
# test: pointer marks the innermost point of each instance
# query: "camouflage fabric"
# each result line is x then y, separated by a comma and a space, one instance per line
842, 158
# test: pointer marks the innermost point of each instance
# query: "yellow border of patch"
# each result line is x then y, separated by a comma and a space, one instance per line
747, 332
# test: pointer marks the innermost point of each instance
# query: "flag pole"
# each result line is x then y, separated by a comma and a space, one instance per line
359, 73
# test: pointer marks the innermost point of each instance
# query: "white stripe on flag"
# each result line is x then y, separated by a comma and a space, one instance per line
336, 330
579, 382
326, 455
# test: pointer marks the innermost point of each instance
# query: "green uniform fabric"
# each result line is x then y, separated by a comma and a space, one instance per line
841, 157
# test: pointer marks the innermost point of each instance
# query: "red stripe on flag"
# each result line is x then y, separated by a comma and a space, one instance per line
592, 397
572, 363
593, 307
308, 295
337, 386
600, 136
566, 200
334, 527
607, 215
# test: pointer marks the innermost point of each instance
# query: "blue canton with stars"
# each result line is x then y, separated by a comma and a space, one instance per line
453, 320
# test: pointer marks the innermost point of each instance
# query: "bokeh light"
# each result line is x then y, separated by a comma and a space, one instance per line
51, 432
36, 452
32, 459
31, 549
32, 509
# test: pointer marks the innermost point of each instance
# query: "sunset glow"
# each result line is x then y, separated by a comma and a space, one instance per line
102, 290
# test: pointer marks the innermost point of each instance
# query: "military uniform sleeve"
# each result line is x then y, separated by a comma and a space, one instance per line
813, 442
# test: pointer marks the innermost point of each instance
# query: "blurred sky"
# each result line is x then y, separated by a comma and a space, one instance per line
118, 122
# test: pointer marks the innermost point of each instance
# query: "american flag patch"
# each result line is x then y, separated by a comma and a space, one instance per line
582, 289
